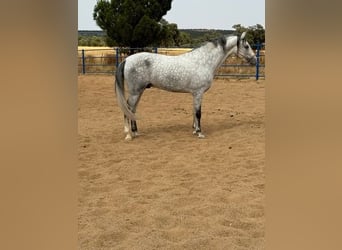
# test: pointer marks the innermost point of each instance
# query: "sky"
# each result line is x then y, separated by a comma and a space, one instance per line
192, 14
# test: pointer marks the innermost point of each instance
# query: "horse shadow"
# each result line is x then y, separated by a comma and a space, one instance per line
210, 129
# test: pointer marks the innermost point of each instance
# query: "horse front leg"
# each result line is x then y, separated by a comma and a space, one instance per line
197, 115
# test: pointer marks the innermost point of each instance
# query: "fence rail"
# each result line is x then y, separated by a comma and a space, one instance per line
105, 61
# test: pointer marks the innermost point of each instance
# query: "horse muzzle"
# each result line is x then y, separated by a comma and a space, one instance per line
252, 60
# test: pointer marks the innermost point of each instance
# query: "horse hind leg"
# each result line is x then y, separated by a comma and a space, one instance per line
127, 129
132, 130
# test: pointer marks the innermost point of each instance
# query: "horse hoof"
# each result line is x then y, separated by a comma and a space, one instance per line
201, 136
128, 137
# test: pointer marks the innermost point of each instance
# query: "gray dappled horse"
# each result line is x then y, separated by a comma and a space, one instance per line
192, 72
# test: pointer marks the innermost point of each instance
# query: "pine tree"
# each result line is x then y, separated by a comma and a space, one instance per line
132, 23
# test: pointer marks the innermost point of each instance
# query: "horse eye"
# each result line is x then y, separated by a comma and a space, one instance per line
246, 46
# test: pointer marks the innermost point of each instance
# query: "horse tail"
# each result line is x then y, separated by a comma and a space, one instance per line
120, 91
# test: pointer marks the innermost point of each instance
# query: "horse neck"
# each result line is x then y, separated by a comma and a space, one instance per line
212, 55
230, 48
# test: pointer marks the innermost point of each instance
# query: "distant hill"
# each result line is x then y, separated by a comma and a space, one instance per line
198, 33
91, 33
194, 33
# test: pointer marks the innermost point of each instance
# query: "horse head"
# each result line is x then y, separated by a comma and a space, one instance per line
244, 50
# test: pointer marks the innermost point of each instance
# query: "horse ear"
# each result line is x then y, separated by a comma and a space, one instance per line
243, 35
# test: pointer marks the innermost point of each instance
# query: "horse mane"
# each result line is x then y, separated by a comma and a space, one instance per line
219, 41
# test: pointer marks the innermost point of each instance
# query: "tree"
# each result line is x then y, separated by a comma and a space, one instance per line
169, 35
184, 39
255, 33
133, 23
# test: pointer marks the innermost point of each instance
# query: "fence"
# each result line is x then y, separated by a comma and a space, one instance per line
105, 61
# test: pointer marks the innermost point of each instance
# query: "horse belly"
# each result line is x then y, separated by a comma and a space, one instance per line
172, 78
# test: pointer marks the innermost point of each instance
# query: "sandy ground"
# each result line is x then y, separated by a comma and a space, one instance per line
167, 189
